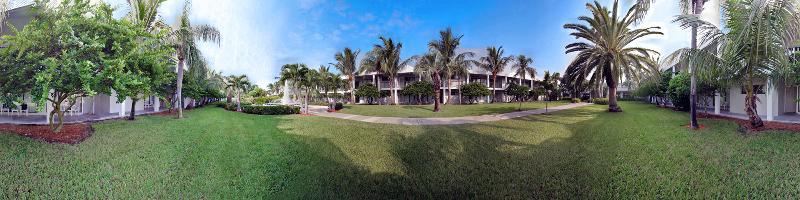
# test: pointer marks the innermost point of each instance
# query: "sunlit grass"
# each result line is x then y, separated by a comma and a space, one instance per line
583, 153
448, 110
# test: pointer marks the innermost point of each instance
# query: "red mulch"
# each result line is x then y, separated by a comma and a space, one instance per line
768, 126
69, 134
165, 113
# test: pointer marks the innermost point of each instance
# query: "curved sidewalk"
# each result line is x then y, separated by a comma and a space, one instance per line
321, 111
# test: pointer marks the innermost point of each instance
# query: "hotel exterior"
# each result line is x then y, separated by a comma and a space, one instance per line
407, 76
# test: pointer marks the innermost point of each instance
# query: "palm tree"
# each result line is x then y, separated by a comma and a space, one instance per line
459, 67
606, 53
385, 57
446, 47
692, 7
325, 80
755, 46
494, 63
346, 64
427, 67
523, 67
183, 39
237, 84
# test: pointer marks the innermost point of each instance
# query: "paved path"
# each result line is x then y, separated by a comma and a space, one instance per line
321, 111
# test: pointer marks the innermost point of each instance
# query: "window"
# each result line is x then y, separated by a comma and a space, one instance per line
758, 89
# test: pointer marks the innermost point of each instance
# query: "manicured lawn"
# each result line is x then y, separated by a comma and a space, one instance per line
450, 110
584, 153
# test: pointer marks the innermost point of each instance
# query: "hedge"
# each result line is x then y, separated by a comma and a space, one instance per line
271, 110
576, 100
600, 101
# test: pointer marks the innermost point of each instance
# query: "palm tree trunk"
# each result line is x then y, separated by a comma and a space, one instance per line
352, 89
693, 78
494, 91
437, 84
612, 98
238, 101
449, 90
179, 86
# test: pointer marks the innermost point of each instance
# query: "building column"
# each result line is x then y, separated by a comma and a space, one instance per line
491, 89
717, 103
395, 91
156, 104
770, 96
468, 79
122, 107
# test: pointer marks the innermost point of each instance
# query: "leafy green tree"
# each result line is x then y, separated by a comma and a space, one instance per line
519, 92
144, 72
473, 91
72, 50
522, 67
605, 53
494, 62
420, 90
368, 91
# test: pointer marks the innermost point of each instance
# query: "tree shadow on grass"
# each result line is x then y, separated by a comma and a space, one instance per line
457, 162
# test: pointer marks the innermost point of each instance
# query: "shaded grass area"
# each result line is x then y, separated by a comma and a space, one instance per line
450, 110
581, 153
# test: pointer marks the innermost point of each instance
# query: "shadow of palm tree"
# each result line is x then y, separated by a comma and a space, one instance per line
457, 162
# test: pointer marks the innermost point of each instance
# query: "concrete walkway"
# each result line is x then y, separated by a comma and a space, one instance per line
322, 111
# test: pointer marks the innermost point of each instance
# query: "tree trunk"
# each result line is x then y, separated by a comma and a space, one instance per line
449, 90
352, 89
133, 109
693, 85
751, 106
494, 91
179, 86
238, 101
612, 98
437, 85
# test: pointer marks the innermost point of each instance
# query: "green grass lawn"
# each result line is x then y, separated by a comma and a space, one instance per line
450, 110
583, 153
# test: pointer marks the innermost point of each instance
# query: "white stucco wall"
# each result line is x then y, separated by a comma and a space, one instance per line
737, 100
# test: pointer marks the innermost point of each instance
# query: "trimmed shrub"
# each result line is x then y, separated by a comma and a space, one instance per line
472, 91
338, 106
260, 100
600, 101
271, 110
576, 100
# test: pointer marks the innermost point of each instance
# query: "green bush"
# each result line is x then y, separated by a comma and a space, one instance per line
472, 91
271, 110
260, 100
369, 92
600, 101
679, 89
576, 100
338, 106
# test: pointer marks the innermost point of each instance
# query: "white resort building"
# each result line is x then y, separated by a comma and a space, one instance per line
407, 76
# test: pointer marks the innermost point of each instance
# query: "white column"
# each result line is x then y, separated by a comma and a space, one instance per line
491, 88
122, 108
395, 91
47, 108
468, 79
156, 104
717, 103
770, 93
797, 96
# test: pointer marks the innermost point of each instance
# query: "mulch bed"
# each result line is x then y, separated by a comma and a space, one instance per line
745, 124
69, 134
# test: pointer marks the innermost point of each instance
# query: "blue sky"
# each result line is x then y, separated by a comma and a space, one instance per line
259, 36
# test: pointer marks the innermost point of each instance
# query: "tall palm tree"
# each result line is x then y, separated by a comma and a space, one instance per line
385, 57
692, 7
446, 48
494, 62
605, 52
427, 66
183, 39
754, 48
522, 67
459, 66
325, 80
346, 64
238, 83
